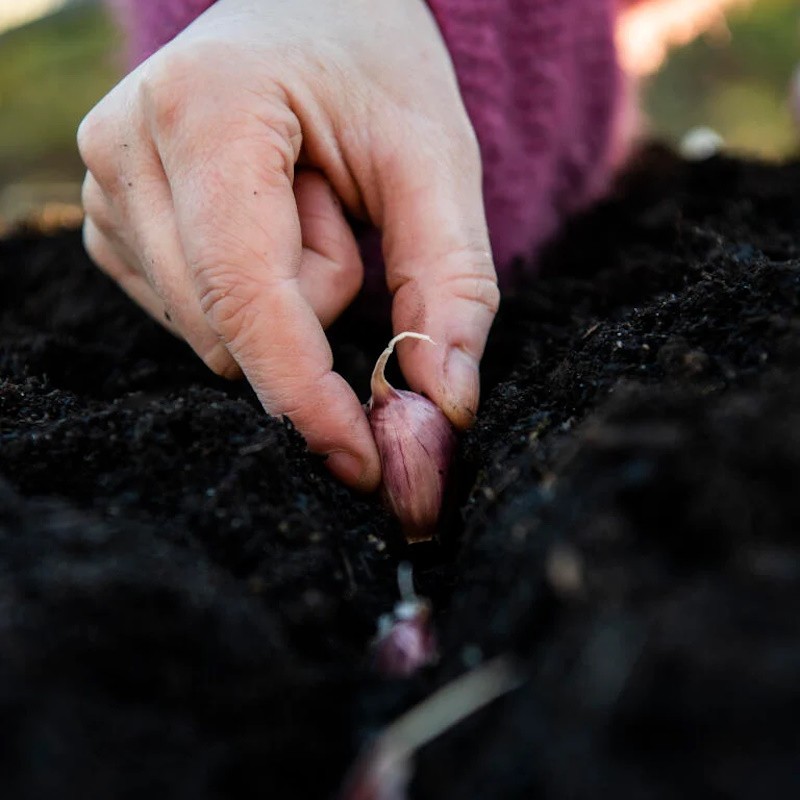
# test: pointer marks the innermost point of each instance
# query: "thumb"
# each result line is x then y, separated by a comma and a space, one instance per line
440, 271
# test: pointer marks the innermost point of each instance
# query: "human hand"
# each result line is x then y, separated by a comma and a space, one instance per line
215, 176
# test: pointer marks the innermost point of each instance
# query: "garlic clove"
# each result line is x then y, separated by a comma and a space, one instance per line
406, 640
416, 444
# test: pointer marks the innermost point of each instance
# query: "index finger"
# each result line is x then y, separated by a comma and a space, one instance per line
238, 223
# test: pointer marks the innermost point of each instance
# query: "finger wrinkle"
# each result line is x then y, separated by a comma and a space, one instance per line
409, 299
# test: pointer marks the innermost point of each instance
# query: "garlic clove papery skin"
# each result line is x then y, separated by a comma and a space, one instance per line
416, 444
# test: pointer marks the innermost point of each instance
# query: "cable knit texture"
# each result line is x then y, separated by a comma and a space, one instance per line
540, 82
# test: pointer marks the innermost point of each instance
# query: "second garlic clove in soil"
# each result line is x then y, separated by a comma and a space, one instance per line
406, 640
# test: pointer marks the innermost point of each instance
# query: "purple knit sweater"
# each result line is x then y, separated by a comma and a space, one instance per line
542, 87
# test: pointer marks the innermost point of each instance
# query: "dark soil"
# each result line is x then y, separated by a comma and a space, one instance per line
188, 599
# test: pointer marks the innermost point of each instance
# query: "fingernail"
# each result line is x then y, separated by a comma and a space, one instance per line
462, 387
346, 467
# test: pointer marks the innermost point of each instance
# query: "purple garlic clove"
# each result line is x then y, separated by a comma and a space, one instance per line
406, 640
416, 443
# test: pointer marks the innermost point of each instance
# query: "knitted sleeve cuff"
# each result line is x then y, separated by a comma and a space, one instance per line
150, 24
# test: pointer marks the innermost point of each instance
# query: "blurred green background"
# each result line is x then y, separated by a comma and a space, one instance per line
737, 84
54, 68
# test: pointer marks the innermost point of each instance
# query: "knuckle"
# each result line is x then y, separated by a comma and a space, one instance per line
228, 302
274, 133
91, 138
474, 278
477, 288
282, 151
172, 91
85, 136
165, 88
100, 140
261, 152
465, 272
